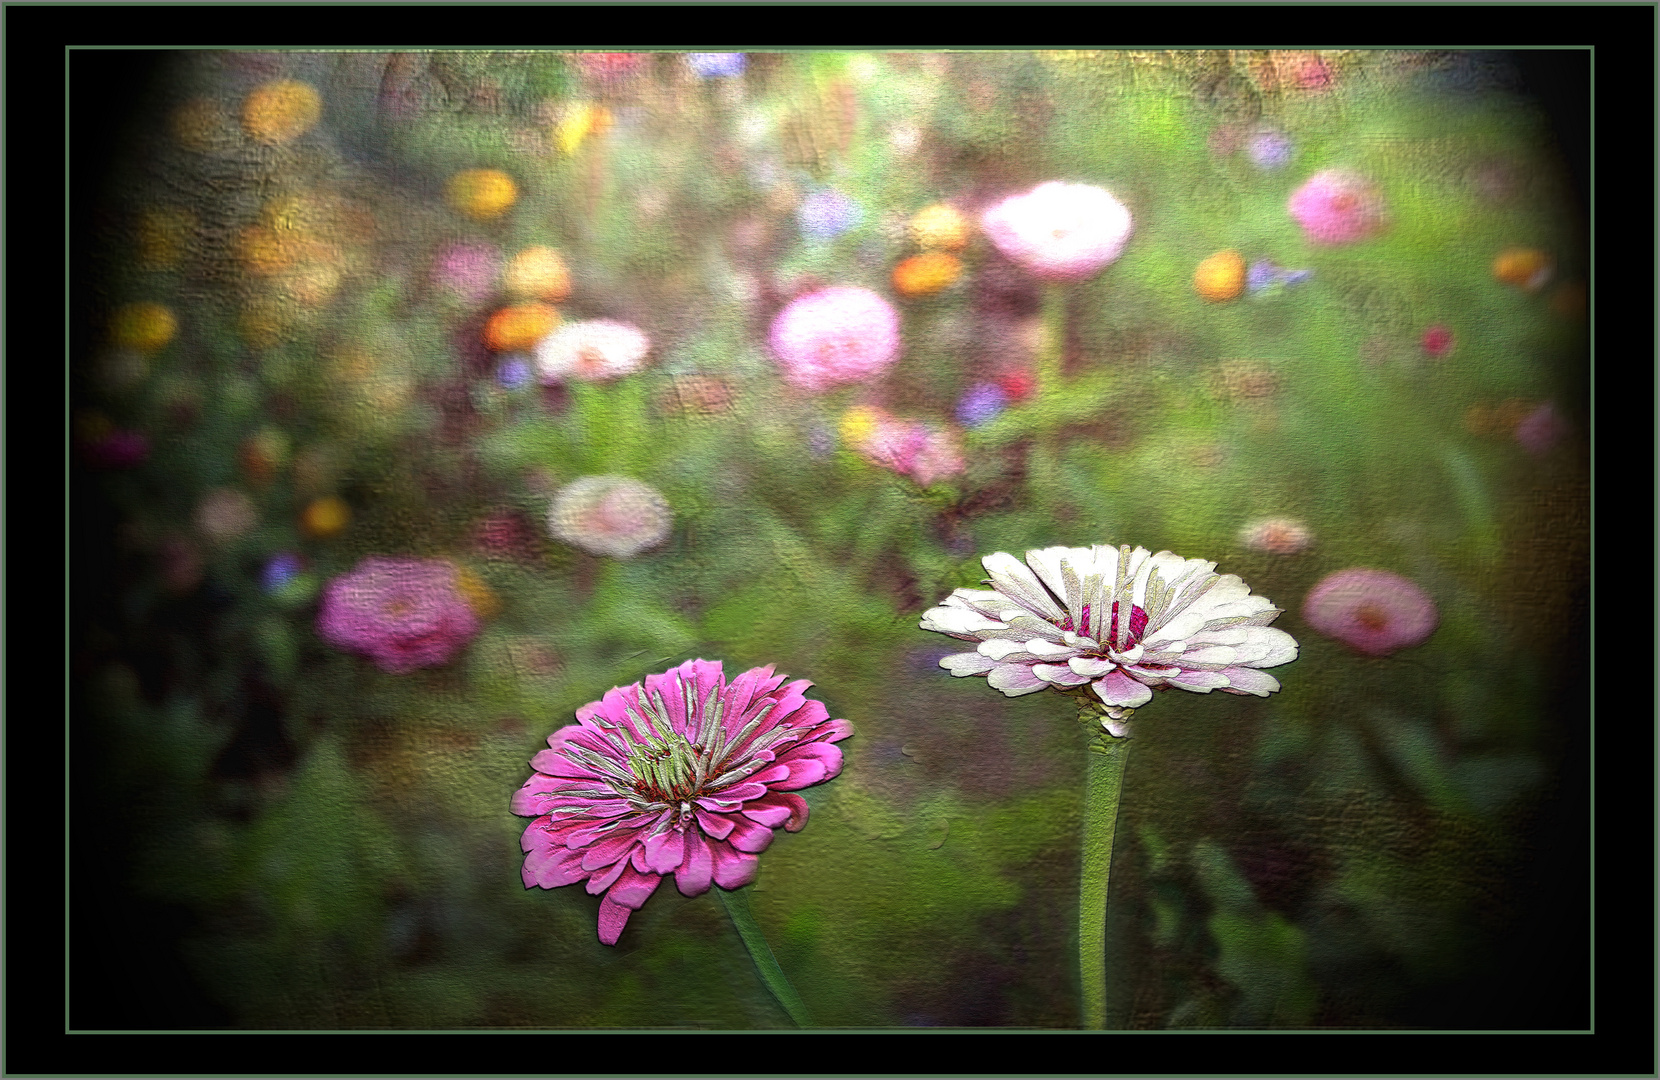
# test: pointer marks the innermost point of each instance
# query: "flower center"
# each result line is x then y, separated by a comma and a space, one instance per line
1345, 202
1371, 617
1109, 638
399, 607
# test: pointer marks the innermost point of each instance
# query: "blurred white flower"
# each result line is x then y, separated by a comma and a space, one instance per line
594, 349
610, 515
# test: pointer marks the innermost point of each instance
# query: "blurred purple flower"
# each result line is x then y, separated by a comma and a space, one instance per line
1269, 150
717, 65
981, 403
827, 214
514, 373
118, 450
282, 568
468, 270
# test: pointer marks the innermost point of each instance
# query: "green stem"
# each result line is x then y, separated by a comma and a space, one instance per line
737, 906
1052, 350
1104, 785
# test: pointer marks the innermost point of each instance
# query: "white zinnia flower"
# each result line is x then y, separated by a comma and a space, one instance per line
610, 515
593, 349
1059, 620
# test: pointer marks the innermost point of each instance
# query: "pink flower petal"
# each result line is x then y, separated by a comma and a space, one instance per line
733, 869
1243, 680
665, 850
606, 878
717, 826
694, 873
612, 918
633, 888
749, 835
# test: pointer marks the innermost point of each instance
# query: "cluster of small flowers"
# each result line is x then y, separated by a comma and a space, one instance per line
924, 452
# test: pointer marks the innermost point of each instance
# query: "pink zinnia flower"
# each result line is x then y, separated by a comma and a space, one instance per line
1060, 232
1123, 622
1372, 611
835, 336
685, 775
1336, 207
401, 613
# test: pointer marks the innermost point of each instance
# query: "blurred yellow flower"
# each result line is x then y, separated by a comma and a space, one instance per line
538, 273
519, 327
1221, 277
145, 327
926, 274
858, 425
481, 194
325, 517
581, 119
480, 597
941, 227
281, 111
1525, 268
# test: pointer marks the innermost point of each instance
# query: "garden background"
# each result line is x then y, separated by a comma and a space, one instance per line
288, 357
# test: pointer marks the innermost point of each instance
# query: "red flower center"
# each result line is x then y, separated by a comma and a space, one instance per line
1138, 625
1371, 617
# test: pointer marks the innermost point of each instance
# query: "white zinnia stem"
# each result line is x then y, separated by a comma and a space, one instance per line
1104, 784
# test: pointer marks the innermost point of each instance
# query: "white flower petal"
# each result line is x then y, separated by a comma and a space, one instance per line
1242, 680
962, 664
1011, 577
1202, 682
1015, 679
1218, 655
1059, 674
1049, 650
1000, 649
959, 622
1119, 689
1090, 666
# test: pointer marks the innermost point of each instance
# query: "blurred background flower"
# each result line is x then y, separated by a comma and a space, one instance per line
610, 515
835, 336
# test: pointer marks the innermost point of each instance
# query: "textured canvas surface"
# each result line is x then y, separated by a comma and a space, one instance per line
420, 399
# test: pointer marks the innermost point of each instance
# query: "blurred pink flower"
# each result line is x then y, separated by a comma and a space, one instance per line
593, 350
1059, 231
1541, 429
401, 613
909, 447
1276, 536
610, 515
1337, 207
1372, 611
468, 270
685, 775
834, 336
1122, 622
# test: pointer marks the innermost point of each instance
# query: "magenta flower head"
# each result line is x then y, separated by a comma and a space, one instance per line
1371, 611
469, 270
1059, 232
1122, 622
684, 774
1336, 207
401, 613
1541, 429
835, 336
